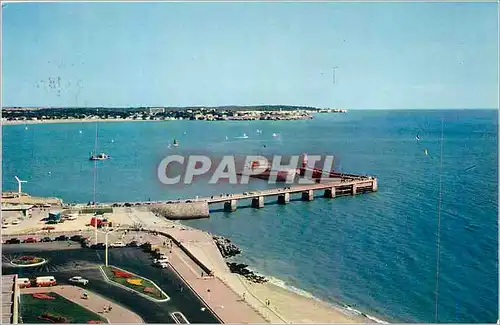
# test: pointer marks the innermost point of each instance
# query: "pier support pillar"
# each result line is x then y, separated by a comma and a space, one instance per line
354, 189
330, 193
374, 185
308, 195
284, 198
230, 205
258, 202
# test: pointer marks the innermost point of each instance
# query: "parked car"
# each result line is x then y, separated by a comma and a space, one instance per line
23, 282
98, 246
13, 241
133, 244
61, 238
45, 281
160, 260
78, 280
30, 240
16, 222
161, 265
46, 239
76, 238
118, 244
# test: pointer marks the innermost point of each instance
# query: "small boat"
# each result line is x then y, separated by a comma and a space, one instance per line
275, 135
245, 136
175, 144
101, 156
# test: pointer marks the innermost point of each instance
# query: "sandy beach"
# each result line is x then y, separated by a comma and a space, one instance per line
301, 309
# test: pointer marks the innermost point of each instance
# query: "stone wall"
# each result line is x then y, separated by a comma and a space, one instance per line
182, 211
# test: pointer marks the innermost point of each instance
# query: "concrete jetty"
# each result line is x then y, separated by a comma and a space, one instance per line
346, 184
331, 190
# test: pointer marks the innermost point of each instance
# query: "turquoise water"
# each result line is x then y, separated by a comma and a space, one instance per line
376, 251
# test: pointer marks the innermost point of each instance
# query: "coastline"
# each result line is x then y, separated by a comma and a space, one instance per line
288, 304
299, 306
5, 123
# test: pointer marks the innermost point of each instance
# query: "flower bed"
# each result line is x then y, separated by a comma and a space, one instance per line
27, 261
43, 296
53, 318
121, 274
135, 282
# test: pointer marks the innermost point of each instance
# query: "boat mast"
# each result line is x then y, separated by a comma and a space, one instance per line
95, 160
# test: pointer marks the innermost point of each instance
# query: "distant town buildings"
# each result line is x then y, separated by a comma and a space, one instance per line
156, 110
162, 113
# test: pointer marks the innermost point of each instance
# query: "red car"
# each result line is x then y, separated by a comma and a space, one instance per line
30, 240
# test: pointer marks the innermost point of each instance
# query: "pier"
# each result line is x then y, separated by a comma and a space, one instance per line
344, 185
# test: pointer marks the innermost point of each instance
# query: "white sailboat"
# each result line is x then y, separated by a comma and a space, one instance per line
95, 155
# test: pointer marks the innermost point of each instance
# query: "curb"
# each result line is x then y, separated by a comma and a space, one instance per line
130, 289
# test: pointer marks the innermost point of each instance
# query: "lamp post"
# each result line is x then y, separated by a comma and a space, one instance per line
106, 243
95, 229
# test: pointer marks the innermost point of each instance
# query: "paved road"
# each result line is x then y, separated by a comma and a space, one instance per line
66, 262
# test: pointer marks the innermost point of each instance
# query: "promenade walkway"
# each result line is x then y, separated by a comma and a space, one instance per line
226, 303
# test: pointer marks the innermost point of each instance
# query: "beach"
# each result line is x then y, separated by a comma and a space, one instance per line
296, 308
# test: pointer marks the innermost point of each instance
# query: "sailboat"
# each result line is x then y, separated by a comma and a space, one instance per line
101, 156
95, 155
175, 144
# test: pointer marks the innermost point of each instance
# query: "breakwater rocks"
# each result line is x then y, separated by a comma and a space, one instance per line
226, 248
242, 269
182, 211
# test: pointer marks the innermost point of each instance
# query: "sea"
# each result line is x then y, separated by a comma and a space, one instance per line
376, 252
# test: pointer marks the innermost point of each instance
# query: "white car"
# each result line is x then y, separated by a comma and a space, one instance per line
71, 217
79, 280
163, 265
160, 260
118, 244
16, 222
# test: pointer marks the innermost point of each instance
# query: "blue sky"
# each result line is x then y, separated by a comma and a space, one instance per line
389, 55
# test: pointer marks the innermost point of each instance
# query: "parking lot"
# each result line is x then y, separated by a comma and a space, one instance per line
67, 259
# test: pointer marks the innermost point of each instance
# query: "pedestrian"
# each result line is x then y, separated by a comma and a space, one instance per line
202, 274
244, 293
104, 309
109, 308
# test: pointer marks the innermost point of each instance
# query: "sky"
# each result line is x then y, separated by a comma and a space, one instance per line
388, 55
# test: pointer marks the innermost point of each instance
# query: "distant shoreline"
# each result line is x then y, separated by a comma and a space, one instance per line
61, 121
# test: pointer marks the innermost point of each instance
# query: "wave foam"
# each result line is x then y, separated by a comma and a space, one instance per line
342, 308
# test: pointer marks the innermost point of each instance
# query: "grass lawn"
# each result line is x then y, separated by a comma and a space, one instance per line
32, 308
96, 210
135, 282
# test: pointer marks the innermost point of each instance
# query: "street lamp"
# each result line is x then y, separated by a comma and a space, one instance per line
106, 243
